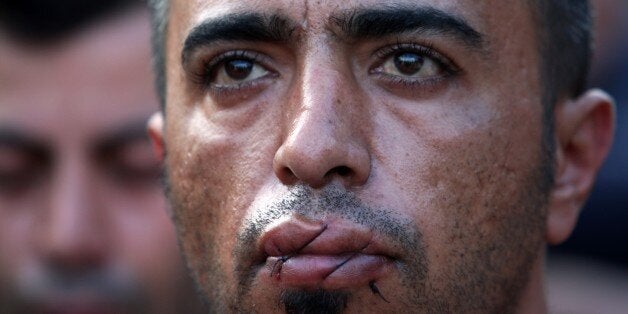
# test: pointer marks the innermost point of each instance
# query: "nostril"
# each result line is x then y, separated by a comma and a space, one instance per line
287, 175
342, 171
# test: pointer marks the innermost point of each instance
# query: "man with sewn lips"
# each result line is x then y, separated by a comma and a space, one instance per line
360, 156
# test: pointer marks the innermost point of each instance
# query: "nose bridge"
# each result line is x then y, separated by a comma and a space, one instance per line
322, 141
321, 108
73, 234
70, 190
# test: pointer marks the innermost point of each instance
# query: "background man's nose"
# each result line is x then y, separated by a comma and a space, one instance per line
324, 140
72, 231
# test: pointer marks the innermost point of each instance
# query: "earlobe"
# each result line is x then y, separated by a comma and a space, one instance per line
155, 132
584, 133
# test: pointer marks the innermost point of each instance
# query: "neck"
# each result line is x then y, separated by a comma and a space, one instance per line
533, 297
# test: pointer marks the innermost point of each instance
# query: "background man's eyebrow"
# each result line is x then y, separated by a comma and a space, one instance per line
238, 27
16, 140
391, 20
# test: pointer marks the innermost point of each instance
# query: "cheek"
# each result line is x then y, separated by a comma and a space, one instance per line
23, 219
475, 180
17, 242
466, 177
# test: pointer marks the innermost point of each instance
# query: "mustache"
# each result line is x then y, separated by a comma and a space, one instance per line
308, 202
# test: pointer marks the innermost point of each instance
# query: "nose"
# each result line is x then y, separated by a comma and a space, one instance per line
325, 129
74, 237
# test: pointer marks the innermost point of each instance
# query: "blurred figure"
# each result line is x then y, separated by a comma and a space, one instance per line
83, 227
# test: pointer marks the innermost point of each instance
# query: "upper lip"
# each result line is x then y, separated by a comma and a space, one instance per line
331, 236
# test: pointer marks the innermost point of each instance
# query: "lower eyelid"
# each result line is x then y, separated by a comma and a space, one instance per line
230, 92
245, 83
411, 81
398, 85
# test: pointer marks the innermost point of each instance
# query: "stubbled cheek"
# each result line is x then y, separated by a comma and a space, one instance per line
483, 199
214, 175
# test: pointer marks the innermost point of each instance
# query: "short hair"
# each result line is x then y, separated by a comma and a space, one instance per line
564, 35
44, 22
564, 45
159, 17
564, 42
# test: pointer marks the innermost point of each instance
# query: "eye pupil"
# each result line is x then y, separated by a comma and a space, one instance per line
239, 69
408, 63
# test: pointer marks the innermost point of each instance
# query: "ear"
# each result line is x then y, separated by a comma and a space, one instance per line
584, 135
156, 134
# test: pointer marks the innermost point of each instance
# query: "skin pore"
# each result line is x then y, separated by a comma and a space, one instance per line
333, 156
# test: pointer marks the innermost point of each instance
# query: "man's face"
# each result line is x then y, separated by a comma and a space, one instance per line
355, 155
83, 226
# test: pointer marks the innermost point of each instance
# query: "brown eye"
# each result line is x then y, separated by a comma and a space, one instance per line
411, 65
239, 69
408, 63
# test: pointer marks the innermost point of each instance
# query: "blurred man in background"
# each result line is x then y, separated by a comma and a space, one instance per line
83, 227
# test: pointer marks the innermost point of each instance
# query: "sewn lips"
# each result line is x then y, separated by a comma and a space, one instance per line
330, 254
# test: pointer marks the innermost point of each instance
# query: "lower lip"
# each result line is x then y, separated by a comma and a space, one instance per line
328, 271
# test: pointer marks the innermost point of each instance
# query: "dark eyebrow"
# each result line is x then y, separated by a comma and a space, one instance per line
398, 19
120, 136
238, 27
14, 139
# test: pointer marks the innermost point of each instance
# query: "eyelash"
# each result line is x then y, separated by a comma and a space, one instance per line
209, 70
449, 68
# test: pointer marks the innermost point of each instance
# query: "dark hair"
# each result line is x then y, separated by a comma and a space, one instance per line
565, 46
564, 29
564, 32
42, 22
159, 14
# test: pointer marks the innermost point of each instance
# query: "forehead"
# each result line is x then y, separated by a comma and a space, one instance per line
90, 82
